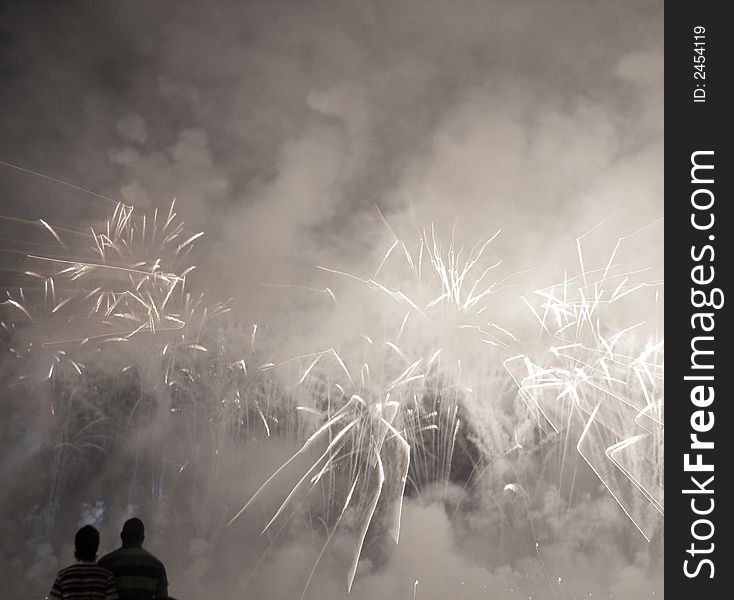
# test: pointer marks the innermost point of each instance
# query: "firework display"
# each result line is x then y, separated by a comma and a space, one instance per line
429, 401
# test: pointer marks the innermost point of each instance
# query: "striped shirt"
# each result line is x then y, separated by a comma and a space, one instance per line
138, 574
84, 581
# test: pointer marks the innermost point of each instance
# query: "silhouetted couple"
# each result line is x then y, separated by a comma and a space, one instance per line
128, 573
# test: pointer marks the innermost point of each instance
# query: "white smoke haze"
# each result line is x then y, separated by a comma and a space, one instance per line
299, 135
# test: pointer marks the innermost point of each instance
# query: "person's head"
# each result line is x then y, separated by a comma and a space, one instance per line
86, 543
133, 533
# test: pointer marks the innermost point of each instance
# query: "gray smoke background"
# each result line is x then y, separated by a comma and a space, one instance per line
286, 131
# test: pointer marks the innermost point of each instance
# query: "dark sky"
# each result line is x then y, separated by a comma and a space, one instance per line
279, 126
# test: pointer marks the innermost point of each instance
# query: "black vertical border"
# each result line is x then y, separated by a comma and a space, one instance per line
692, 126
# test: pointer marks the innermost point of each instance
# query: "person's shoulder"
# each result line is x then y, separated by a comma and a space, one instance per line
153, 558
108, 557
65, 571
104, 570
83, 569
74, 567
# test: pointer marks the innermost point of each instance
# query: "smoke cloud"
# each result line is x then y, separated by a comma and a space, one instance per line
279, 127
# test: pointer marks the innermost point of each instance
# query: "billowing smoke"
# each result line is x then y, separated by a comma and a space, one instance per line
305, 134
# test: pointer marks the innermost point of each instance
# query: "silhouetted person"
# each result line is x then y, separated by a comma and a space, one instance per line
138, 574
84, 580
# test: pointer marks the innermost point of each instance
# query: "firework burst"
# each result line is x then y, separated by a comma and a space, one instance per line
391, 419
604, 378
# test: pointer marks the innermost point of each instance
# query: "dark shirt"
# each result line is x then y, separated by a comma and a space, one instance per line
84, 581
138, 574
